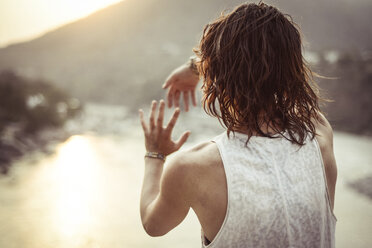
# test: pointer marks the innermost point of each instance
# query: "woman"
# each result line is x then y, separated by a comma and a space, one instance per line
269, 180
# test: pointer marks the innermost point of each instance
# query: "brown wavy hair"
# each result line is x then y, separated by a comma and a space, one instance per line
255, 75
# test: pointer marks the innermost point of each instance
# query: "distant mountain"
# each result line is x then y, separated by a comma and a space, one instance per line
123, 53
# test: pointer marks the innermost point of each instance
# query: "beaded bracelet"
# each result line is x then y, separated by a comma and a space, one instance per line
192, 64
156, 155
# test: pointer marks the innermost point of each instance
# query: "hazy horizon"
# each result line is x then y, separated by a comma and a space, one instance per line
28, 23
23, 20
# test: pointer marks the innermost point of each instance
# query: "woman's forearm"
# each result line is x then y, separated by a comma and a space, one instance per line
151, 183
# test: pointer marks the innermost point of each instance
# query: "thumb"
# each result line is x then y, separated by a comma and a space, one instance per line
167, 83
182, 139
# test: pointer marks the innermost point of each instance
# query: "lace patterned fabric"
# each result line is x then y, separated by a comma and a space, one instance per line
277, 194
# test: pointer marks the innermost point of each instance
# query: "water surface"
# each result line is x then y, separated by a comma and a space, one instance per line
86, 194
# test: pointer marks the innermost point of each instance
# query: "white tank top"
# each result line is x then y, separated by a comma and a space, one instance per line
277, 194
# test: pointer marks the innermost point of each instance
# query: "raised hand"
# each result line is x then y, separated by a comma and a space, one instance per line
157, 137
182, 81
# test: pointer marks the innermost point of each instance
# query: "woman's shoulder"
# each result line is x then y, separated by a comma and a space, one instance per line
195, 168
198, 156
191, 165
324, 131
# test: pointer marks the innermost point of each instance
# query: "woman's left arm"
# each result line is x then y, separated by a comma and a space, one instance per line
163, 203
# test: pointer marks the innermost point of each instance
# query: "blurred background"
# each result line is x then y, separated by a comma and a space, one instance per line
74, 73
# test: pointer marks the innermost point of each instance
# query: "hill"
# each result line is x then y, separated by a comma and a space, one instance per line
129, 48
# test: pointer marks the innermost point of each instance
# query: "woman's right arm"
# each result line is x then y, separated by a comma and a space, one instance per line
325, 139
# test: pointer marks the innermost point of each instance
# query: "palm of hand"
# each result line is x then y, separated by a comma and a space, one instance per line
157, 137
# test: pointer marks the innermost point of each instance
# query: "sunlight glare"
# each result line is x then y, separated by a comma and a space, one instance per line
30, 19
76, 9
76, 180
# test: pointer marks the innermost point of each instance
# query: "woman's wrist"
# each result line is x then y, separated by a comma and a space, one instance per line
155, 155
153, 164
192, 64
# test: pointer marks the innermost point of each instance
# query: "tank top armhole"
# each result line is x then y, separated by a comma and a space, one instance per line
324, 177
217, 141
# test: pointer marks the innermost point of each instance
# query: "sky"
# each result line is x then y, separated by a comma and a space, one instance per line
22, 20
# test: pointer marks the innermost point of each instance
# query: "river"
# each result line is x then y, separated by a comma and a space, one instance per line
86, 193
